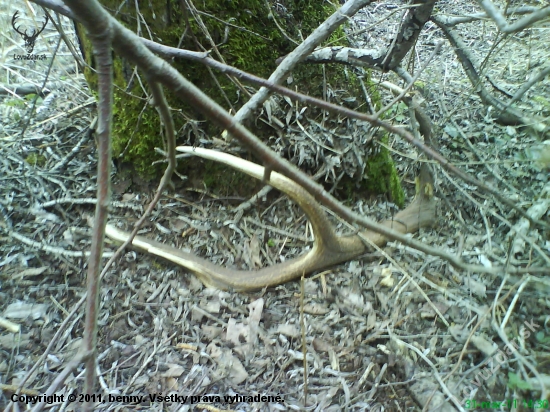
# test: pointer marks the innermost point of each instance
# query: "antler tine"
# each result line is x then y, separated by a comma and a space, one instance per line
35, 33
13, 19
44, 25
328, 246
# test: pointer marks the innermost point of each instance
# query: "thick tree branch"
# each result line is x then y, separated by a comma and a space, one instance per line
409, 31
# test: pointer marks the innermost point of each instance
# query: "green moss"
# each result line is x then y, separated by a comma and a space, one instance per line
36, 160
156, 265
246, 35
134, 139
86, 50
381, 175
251, 42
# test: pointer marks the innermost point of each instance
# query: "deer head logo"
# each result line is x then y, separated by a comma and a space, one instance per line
29, 38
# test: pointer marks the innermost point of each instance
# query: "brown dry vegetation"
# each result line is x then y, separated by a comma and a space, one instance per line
385, 332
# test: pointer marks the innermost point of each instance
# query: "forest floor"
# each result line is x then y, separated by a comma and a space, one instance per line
396, 330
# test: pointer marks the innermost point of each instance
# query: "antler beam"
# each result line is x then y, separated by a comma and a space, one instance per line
328, 249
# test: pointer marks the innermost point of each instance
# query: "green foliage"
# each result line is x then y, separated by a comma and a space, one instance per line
36, 160
515, 382
14, 103
542, 338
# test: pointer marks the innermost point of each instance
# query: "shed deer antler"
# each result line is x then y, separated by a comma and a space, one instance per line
29, 39
328, 249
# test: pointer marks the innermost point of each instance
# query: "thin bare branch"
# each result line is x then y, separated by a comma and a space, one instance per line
101, 40
535, 77
496, 15
455, 20
511, 114
61, 377
397, 98
168, 121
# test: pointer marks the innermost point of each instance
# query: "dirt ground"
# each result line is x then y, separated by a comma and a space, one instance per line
386, 332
